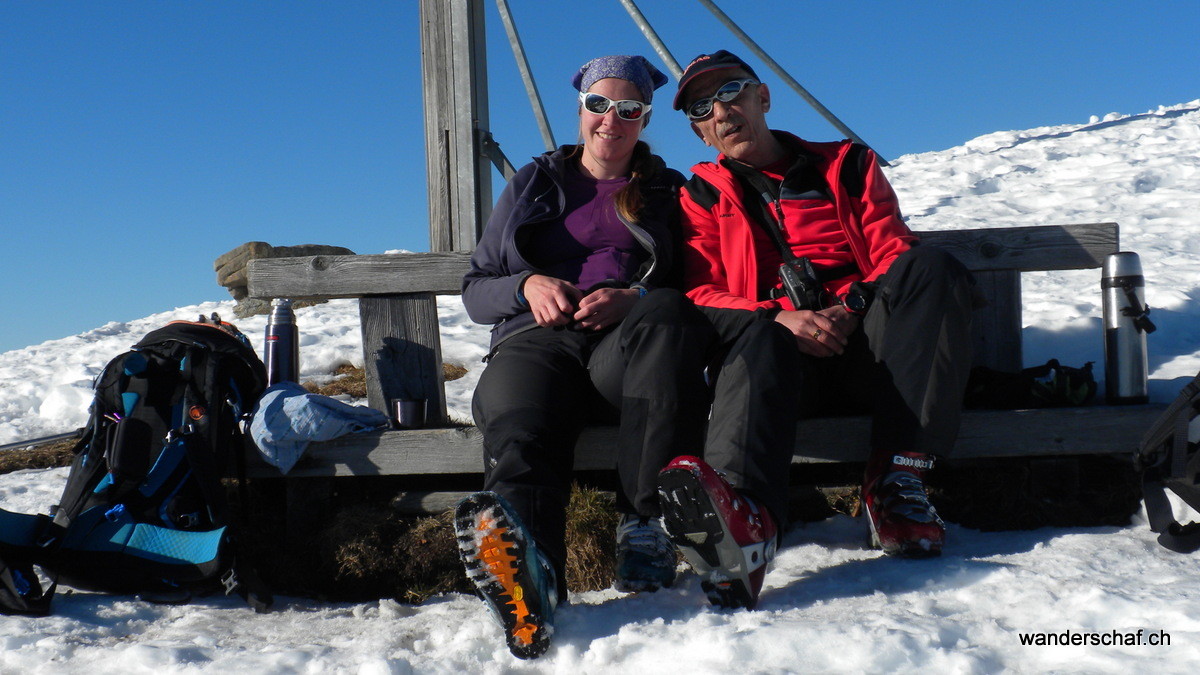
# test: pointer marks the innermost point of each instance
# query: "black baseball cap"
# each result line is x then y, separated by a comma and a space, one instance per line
718, 60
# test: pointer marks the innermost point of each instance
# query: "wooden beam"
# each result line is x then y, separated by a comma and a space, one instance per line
353, 276
1031, 248
454, 77
1093, 430
1040, 247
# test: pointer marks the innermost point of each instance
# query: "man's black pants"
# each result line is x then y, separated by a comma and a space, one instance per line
907, 365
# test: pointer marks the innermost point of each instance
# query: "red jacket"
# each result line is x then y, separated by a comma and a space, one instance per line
720, 259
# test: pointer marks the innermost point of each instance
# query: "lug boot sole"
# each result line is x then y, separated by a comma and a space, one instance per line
497, 559
695, 526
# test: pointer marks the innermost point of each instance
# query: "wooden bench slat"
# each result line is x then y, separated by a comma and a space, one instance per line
1094, 430
1029, 249
1039, 247
354, 276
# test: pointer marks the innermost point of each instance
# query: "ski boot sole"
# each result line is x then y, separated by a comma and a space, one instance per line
496, 557
704, 539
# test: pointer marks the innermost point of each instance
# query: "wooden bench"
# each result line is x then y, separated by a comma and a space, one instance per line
402, 358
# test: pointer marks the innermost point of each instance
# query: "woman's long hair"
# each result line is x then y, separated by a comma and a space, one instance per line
643, 167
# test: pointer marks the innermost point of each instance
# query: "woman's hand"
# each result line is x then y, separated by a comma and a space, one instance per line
823, 333
605, 307
551, 300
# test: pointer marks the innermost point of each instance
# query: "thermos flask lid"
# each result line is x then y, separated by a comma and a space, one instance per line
281, 312
1123, 264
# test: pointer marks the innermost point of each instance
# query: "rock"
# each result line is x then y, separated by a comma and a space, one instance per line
309, 249
231, 266
248, 307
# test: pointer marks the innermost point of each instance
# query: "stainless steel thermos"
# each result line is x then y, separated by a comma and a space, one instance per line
282, 351
1126, 325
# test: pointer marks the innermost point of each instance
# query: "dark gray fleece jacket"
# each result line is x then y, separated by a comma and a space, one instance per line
536, 195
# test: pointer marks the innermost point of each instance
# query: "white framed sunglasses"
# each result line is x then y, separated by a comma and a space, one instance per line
598, 104
726, 93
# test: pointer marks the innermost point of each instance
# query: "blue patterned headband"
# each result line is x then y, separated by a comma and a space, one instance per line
636, 69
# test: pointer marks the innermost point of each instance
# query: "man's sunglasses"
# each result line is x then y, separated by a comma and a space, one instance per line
701, 108
626, 109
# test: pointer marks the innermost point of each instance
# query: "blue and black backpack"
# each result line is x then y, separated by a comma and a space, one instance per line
145, 509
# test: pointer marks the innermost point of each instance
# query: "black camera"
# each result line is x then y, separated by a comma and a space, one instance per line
800, 284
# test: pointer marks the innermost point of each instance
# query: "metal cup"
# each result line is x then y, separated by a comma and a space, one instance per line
408, 413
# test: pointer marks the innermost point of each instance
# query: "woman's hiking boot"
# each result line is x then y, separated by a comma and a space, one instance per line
515, 581
903, 522
726, 536
645, 556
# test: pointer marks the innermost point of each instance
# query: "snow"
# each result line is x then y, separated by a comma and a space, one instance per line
829, 604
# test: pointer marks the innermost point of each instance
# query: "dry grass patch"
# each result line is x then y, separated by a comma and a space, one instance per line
452, 371
374, 552
347, 380
591, 539
38, 457
367, 550
352, 380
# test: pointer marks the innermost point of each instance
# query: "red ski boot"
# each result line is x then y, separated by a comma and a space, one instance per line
903, 522
726, 537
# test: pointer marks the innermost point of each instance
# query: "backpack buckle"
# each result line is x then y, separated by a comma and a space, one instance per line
115, 514
186, 429
230, 582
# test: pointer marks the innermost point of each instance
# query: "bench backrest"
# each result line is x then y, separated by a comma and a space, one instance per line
398, 310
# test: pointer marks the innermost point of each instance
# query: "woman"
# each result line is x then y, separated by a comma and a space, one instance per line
572, 271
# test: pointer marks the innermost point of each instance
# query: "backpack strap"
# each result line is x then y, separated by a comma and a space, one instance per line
88, 456
249, 584
1173, 535
1172, 424
241, 577
21, 539
1181, 538
21, 591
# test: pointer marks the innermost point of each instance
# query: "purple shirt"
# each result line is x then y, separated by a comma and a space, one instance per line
589, 244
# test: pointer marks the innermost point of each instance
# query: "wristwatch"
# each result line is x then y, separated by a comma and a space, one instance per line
858, 299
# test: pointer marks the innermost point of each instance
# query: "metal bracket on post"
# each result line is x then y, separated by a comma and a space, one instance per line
491, 150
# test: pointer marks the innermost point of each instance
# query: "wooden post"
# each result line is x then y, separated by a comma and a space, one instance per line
402, 352
453, 69
996, 333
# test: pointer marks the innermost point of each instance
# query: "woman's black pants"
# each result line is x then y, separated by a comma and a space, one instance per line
542, 386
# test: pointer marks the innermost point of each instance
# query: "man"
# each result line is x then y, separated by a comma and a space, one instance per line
856, 317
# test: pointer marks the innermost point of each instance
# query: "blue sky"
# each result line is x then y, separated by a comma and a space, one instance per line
141, 139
